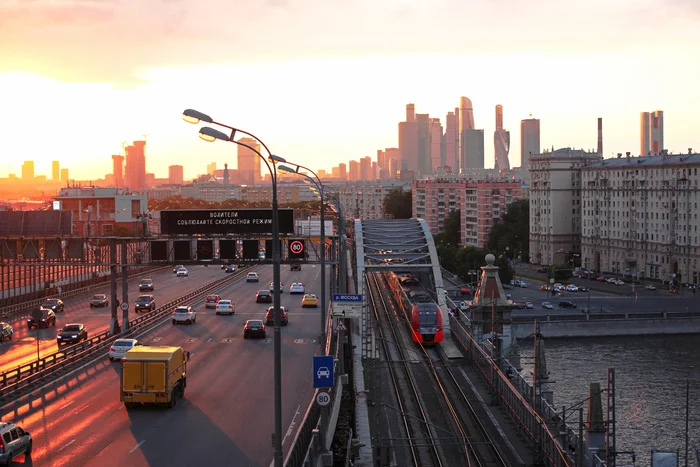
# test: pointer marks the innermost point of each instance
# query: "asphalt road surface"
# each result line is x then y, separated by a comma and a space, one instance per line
227, 415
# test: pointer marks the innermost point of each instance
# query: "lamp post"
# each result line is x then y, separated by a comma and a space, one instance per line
210, 134
342, 281
316, 181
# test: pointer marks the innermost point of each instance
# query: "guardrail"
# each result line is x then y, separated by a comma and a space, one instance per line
605, 316
30, 304
14, 382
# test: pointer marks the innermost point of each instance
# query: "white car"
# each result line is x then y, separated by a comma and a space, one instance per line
571, 288
464, 306
179, 266
297, 287
225, 307
650, 287
119, 348
184, 314
182, 272
252, 277
529, 305
272, 287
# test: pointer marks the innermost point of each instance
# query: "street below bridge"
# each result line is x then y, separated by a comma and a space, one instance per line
226, 415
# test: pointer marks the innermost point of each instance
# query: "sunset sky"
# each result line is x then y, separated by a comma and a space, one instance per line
324, 82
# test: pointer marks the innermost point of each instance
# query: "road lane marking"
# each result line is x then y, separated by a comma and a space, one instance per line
137, 446
210, 339
291, 425
67, 444
66, 405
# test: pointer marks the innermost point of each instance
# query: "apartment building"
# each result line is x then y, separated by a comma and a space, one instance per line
555, 204
640, 216
481, 203
364, 199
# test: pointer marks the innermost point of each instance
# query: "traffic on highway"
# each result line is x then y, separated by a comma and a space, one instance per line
227, 410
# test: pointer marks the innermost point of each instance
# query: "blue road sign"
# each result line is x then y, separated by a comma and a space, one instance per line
323, 371
347, 297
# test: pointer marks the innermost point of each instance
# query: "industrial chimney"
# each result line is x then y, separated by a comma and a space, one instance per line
600, 137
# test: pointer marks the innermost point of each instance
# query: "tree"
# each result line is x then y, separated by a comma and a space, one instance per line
398, 204
449, 235
512, 232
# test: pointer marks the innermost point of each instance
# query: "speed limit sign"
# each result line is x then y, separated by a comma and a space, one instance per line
296, 247
124, 306
323, 398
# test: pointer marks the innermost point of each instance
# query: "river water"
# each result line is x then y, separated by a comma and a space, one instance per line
650, 373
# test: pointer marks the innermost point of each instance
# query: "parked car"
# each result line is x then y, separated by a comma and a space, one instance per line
14, 441
542, 269
99, 300
295, 267
547, 306
270, 317
650, 287
55, 304
145, 303
254, 328
582, 288
211, 301
72, 334
297, 287
146, 285
47, 318
252, 277
182, 272
6, 331
225, 307
120, 346
263, 296
309, 300
566, 304
184, 314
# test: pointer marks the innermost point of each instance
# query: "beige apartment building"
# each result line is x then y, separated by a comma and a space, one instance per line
555, 205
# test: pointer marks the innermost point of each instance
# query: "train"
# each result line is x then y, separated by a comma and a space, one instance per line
417, 304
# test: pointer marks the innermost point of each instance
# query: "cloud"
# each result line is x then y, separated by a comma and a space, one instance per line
114, 41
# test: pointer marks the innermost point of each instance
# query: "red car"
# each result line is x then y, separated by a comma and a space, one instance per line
211, 301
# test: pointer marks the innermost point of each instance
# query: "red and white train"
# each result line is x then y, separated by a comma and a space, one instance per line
419, 307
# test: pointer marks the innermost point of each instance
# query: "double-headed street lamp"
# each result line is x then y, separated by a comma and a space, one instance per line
316, 181
333, 199
211, 134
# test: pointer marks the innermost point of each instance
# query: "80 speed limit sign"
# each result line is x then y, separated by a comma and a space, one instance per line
323, 398
296, 247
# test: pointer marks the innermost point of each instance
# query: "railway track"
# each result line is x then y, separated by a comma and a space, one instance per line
468, 441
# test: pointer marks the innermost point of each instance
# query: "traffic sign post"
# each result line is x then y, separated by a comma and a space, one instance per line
347, 305
323, 371
340, 327
323, 398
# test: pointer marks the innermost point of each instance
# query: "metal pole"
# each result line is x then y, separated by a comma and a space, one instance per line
113, 276
323, 265
687, 414
277, 441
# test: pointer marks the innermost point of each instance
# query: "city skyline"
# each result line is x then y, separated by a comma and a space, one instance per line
317, 92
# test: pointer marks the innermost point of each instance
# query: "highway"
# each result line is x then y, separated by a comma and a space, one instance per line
19, 280
227, 415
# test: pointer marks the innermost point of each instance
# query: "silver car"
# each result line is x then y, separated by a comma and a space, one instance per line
13, 442
119, 348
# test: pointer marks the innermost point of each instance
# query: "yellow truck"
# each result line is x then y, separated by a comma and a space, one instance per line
153, 375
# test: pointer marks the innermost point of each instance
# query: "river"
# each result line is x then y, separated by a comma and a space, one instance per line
651, 374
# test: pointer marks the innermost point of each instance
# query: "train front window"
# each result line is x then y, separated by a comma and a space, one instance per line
428, 318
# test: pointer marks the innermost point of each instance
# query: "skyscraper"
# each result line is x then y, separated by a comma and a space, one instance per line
423, 160
28, 170
471, 140
437, 156
248, 162
366, 168
118, 169
175, 175
342, 171
354, 171
651, 133
501, 142
55, 171
529, 140
408, 140
452, 141
64, 175
136, 165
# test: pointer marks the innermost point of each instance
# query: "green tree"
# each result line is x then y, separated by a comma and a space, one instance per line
398, 204
450, 230
512, 232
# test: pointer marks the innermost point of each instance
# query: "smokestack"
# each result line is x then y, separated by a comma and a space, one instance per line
600, 137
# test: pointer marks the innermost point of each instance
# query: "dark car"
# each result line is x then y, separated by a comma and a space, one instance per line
55, 304
146, 285
100, 300
542, 269
145, 303
46, 318
72, 334
566, 304
270, 318
295, 267
6, 331
263, 296
230, 268
582, 288
254, 328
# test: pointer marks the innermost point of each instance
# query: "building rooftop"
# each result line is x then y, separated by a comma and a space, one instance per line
665, 160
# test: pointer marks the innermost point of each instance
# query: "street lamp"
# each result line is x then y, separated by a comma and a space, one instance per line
316, 181
211, 134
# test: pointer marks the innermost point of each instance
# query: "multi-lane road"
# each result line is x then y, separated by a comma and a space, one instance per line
227, 415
